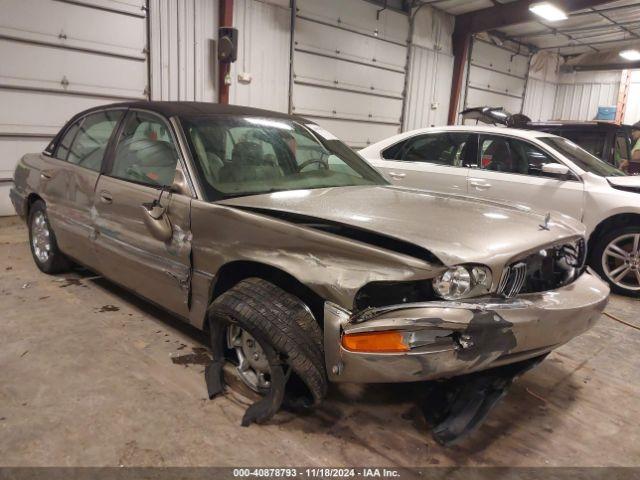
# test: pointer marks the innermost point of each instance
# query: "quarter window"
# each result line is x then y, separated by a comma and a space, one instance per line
65, 143
502, 154
145, 152
90, 143
446, 148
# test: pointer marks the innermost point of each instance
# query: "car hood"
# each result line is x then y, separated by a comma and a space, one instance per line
454, 228
632, 181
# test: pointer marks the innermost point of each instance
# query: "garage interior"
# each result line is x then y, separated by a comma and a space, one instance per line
93, 376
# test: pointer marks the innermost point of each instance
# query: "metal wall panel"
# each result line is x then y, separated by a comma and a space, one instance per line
632, 113
349, 68
74, 26
579, 95
263, 55
496, 77
182, 50
51, 68
59, 58
357, 134
539, 100
429, 88
357, 16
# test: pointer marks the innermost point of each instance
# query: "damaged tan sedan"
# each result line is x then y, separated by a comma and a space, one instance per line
300, 259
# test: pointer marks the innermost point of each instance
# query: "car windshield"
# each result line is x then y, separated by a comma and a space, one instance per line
582, 158
244, 155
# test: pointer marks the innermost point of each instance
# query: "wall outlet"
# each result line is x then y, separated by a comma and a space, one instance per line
244, 77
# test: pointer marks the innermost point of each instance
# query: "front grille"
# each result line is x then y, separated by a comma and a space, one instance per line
548, 269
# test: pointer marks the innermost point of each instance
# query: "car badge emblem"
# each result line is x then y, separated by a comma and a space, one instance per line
545, 225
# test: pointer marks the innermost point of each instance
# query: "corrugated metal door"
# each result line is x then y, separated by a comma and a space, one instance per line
59, 58
496, 77
349, 68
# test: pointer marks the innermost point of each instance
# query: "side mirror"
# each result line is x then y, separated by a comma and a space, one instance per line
179, 184
556, 169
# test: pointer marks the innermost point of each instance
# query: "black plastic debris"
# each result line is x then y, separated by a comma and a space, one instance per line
456, 407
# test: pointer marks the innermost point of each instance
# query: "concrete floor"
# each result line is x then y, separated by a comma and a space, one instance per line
92, 376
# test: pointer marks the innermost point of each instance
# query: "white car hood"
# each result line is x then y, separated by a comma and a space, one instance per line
630, 181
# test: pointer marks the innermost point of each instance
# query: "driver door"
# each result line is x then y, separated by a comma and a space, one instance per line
140, 170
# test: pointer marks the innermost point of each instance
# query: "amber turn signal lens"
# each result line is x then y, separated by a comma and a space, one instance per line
384, 342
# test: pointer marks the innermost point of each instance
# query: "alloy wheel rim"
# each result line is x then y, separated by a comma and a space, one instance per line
40, 237
253, 365
621, 261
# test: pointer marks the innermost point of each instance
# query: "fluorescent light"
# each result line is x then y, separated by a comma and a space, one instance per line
631, 55
548, 11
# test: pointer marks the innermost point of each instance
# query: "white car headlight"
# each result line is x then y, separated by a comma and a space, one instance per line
463, 281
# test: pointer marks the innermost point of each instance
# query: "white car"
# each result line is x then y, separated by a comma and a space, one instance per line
532, 168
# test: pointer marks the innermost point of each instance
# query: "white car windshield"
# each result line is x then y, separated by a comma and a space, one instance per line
582, 158
238, 155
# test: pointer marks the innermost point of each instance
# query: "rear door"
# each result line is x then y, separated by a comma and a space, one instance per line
140, 171
69, 178
431, 161
510, 169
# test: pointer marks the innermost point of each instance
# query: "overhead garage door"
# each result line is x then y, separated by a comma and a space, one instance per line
349, 68
59, 58
496, 77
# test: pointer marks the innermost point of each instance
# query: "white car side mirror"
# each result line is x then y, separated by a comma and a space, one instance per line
556, 169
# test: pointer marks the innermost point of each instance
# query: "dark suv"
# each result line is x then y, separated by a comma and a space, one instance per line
609, 141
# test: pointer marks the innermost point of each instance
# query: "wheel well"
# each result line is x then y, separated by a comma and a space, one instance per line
31, 199
232, 273
616, 221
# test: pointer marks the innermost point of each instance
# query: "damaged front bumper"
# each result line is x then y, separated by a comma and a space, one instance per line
456, 338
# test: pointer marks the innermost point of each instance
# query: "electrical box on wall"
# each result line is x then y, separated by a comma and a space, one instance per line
227, 44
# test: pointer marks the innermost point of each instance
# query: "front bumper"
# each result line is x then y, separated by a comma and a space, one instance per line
455, 338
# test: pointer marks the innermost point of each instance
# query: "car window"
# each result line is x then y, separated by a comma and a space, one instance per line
510, 155
445, 148
621, 154
145, 152
582, 158
90, 143
65, 142
238, 155
592, 142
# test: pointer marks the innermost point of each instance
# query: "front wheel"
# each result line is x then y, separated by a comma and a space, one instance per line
616, 257
259, 321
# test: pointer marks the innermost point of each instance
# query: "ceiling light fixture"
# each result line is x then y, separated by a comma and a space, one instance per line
548, 11
631, 55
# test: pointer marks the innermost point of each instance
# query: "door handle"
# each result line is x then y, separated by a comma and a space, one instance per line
397, 175
45, 174
480, 185
105, 197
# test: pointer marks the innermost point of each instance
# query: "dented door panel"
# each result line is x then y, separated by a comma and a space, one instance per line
131, 255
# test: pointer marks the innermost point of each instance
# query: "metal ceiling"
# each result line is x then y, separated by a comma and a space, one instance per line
609, 26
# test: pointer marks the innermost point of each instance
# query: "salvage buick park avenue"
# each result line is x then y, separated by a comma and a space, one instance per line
300, 260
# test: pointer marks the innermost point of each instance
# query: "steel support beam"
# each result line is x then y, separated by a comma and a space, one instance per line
461, 45
515, 12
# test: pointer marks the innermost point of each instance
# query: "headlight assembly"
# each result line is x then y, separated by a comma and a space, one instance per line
463, 281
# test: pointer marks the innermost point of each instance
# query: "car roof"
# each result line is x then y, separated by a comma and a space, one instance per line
514, 132
181, 109
590, 124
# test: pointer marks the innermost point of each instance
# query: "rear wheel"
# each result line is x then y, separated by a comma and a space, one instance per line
42, 241
616, 257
